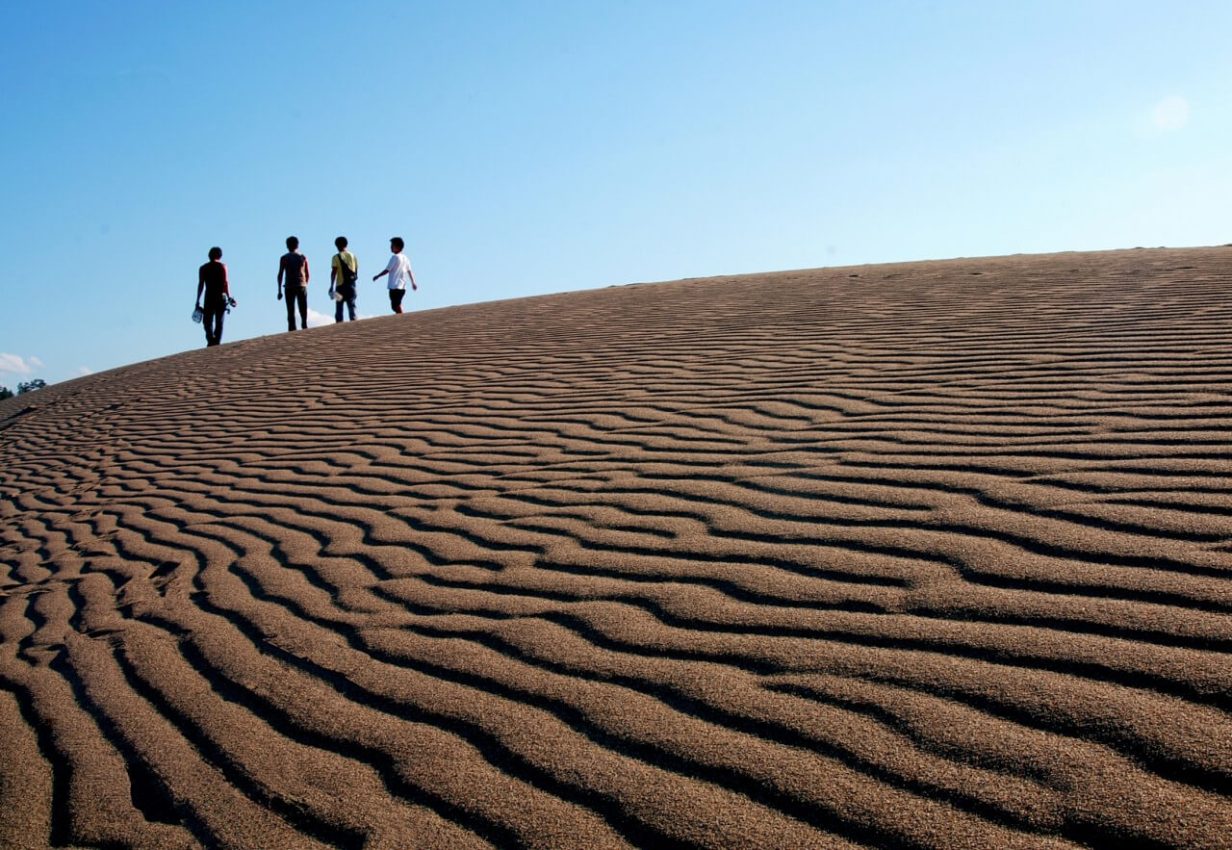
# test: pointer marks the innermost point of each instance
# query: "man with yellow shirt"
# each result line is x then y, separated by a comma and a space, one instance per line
343, 273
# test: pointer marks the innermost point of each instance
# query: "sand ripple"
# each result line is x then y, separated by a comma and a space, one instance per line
918, 556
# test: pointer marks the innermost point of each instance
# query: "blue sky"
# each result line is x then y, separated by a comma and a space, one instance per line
532, 147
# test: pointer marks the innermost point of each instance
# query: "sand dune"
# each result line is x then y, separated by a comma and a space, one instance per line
935, 555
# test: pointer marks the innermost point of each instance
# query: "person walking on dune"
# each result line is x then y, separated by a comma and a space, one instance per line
212, 280
294, 267
343, 274
400, 274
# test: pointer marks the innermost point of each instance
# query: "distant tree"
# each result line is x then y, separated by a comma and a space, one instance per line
5, 392
29, 386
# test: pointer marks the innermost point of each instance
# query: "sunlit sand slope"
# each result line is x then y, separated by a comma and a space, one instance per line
934, 555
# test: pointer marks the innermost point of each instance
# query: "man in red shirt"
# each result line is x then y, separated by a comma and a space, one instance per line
212, 281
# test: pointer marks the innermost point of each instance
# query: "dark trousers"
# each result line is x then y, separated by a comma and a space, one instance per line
214, 311
395, 299
296, 295
348, 299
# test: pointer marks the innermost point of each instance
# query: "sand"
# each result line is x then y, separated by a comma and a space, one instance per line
932, 555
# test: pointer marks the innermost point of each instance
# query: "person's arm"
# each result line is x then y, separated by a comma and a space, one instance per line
306, 274
392, 261
410, 271
333, 270
226, 283
282, 264
200, 284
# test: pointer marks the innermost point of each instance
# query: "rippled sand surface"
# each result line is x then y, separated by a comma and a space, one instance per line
935, 555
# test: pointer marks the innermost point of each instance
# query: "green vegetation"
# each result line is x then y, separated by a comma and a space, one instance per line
23, 387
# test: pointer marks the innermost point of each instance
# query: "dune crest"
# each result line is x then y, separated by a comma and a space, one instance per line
932, 555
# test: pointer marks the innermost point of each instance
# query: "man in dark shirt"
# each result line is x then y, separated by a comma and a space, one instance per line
294, 266
212, 280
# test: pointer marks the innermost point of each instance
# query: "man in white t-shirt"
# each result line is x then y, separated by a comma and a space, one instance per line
400, 274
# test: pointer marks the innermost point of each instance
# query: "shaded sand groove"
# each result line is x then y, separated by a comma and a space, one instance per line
929, 555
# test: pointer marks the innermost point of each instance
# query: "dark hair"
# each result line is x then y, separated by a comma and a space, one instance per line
216, 253
397, 242
292, 243
340, 243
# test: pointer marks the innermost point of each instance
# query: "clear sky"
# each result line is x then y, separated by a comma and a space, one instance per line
532, 146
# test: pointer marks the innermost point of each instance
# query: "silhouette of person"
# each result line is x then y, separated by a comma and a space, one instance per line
343, 274
294, 267
212, 280
400, 274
